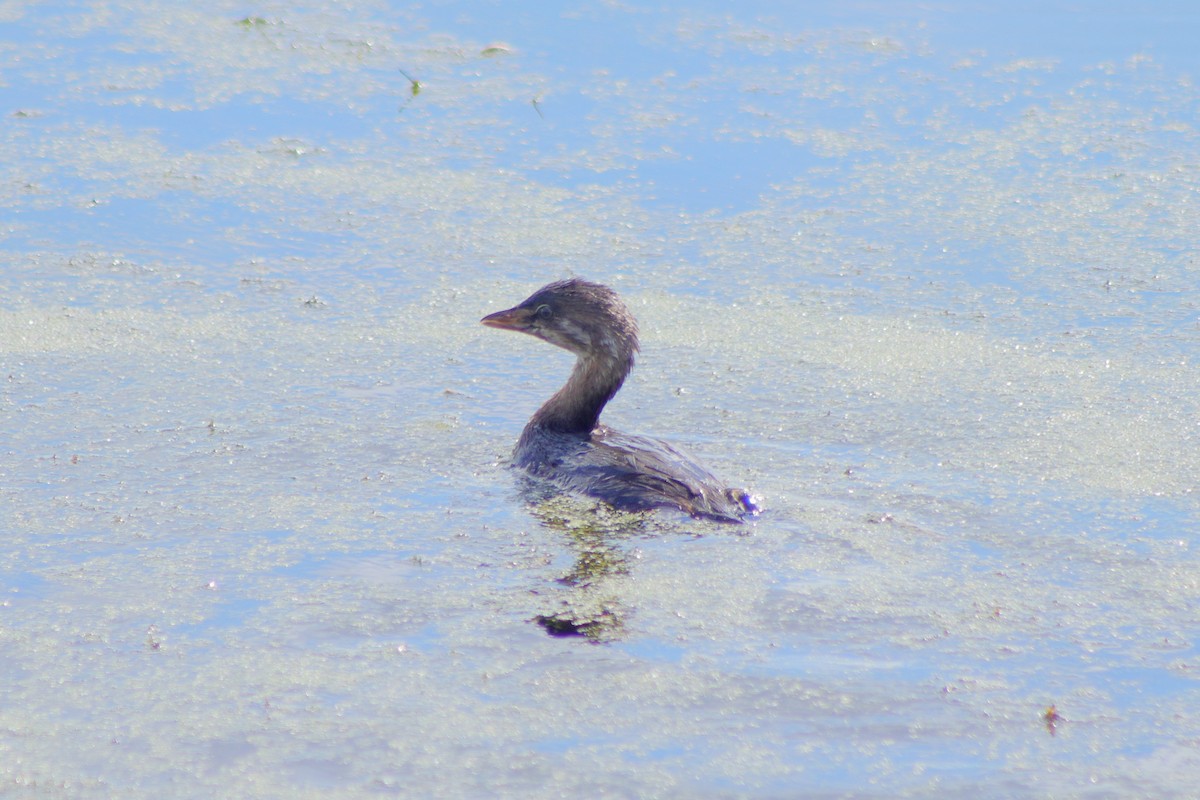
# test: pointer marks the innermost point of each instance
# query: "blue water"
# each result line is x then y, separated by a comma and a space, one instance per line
922, 276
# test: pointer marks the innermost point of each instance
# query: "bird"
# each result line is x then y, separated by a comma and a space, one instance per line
564, 442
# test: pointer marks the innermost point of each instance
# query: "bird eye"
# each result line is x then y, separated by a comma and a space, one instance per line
543, 312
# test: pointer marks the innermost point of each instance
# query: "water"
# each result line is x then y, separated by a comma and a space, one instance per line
925, 278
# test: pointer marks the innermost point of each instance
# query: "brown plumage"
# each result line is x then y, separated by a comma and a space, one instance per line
564, 441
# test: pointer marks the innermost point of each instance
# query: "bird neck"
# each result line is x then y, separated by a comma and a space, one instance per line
576, 407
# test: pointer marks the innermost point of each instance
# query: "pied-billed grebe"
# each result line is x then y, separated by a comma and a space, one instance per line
565, 443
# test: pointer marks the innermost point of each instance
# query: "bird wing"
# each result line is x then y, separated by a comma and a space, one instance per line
639, 472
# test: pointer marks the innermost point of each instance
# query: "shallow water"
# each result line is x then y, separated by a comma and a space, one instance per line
924, 277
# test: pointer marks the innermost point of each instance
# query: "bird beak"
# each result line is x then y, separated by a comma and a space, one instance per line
513, 319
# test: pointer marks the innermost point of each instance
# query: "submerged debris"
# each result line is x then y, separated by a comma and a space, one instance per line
1052, 718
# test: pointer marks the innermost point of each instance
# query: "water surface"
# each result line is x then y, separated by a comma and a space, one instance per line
924, 277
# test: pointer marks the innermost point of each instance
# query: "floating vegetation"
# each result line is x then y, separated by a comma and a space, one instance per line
496, 49
593, 561
415, 84
599, 622
414, 87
